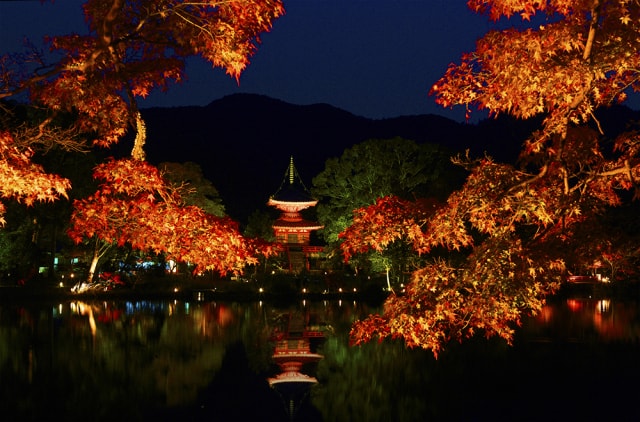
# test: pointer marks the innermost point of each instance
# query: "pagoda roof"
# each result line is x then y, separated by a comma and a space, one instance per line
299, 224
292, 378
292, 189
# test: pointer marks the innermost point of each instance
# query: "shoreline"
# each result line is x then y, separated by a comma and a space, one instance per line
11, 293
629, 290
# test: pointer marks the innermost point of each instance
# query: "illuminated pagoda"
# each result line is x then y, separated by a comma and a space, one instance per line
290, 229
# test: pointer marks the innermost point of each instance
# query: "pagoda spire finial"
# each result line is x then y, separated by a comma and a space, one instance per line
292, 171
292, 189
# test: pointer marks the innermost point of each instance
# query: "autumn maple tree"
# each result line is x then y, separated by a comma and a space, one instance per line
132, 47
135, 205
517, 225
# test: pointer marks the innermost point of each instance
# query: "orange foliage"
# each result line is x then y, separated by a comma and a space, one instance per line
135, 205
516, 227
136, 46
498, 280
388, 220
132, 48
586, 55
24, 181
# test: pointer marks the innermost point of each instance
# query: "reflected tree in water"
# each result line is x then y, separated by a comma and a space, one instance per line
359, 383
108, 363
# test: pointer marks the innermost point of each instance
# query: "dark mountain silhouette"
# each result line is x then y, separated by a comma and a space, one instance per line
243, 141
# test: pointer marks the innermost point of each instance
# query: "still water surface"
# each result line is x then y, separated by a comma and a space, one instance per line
206, 360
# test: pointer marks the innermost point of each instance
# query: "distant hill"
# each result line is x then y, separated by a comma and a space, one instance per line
243, 141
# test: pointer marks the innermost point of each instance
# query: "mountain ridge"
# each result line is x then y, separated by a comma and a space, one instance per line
243, 142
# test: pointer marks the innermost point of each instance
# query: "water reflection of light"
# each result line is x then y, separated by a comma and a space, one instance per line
84, 309
574, 304
611, 319
136, 307
603, 306
546, 314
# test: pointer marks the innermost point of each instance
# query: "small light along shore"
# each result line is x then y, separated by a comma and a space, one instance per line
188, 290
281, 289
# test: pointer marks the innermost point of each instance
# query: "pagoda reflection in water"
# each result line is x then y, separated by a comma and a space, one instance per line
296, 337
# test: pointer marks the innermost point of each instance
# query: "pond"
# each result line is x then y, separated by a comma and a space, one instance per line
232, 361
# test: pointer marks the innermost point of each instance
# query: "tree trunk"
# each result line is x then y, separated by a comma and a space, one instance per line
388, 282
94, 263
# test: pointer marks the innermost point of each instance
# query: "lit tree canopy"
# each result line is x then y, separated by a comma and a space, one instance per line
585, 55
132, 47
518, 226
390, 219
24, 181
136, 206
374, 169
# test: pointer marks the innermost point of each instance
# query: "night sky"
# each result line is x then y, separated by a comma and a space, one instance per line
373, 58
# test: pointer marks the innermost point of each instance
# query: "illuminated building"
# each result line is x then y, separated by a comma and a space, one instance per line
291, 229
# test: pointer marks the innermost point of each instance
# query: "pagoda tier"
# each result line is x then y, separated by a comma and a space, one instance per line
295, 232
290, 207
